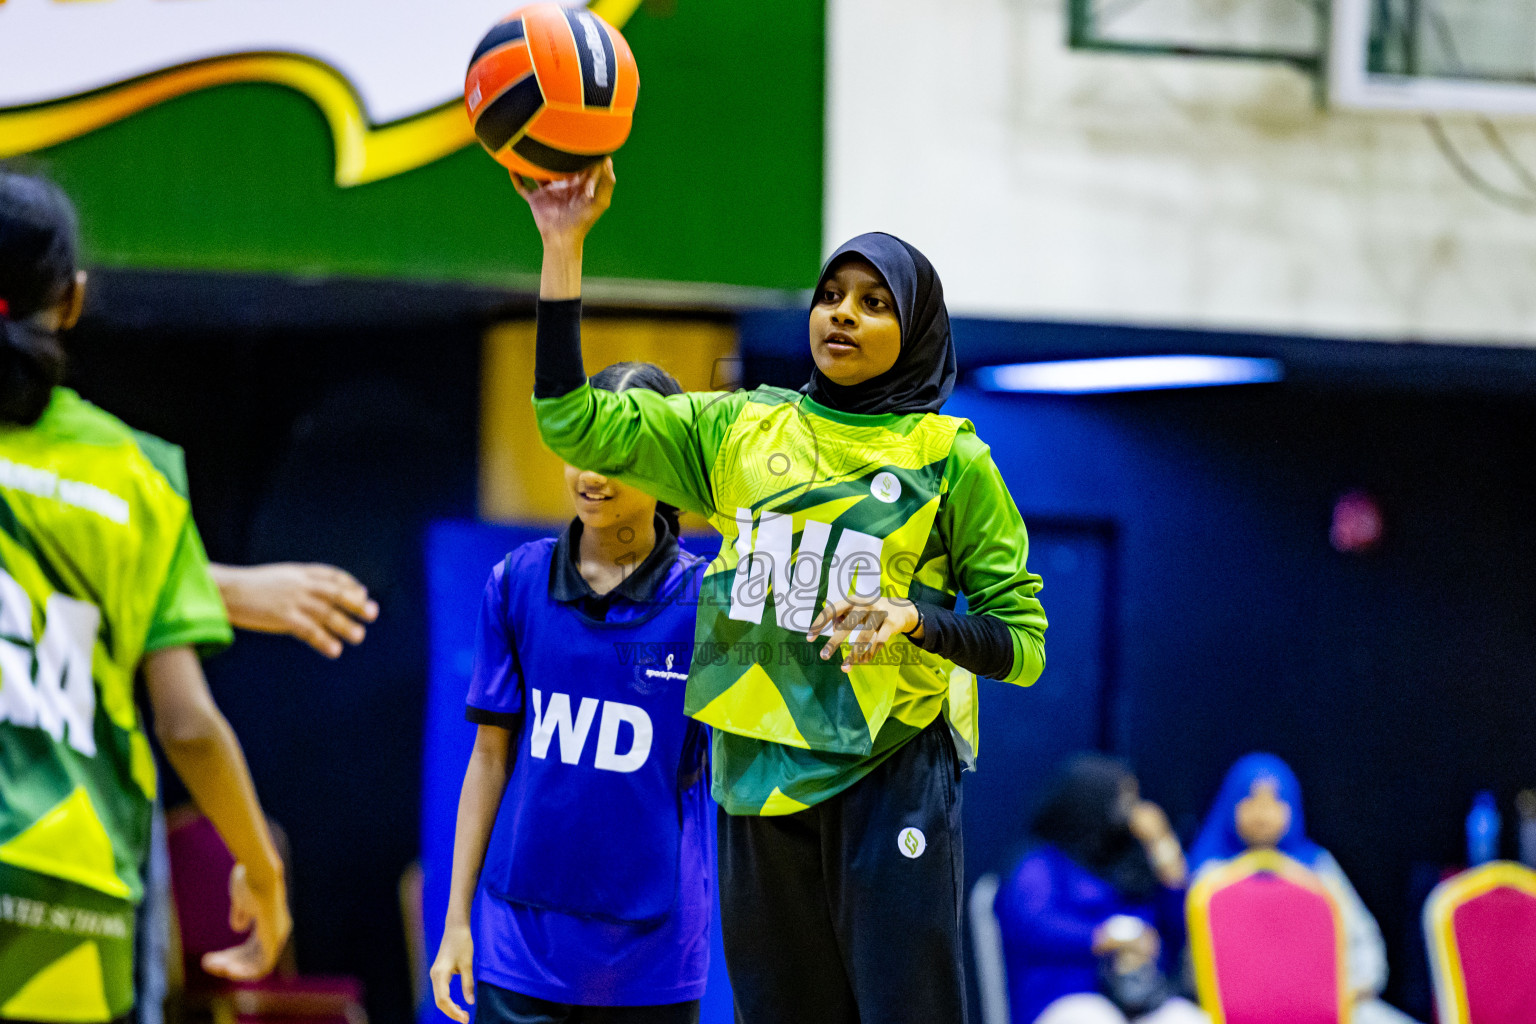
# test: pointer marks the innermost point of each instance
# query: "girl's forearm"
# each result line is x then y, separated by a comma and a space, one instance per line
484, 783
561, 274
557, 365
214, 770
203, 750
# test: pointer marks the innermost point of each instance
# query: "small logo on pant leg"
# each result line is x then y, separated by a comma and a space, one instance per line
911, 842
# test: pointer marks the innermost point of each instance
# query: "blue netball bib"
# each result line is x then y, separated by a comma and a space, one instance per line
591, 820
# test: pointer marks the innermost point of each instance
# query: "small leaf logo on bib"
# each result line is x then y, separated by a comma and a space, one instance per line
911, 842
885, 487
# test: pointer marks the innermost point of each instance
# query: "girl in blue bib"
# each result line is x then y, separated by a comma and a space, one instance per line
585, 841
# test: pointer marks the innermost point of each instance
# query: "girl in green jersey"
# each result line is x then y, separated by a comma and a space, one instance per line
103, 580
830, 660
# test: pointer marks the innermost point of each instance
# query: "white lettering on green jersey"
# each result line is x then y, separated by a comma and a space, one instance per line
60, 697
43, 483
796, 582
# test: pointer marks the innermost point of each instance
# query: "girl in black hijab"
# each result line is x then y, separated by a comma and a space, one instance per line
923, 375
853, 514
1087, 816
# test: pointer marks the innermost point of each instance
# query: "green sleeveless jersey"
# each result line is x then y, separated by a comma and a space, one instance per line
100, 563
814, 504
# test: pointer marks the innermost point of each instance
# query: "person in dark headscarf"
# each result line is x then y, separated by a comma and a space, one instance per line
833, 667
1092, 918
1259, 808
913, 372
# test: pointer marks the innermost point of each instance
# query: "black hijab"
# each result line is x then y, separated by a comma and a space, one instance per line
924, 373
1083, 817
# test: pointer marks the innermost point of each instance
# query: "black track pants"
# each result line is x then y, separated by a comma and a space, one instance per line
849, 912
495, 1005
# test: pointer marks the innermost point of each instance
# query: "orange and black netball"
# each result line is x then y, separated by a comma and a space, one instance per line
551, 90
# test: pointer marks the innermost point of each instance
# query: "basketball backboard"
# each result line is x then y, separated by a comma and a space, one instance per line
1433, 56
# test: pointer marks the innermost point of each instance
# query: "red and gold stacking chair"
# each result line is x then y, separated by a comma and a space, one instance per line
1481, 929
200, 867
1267, 941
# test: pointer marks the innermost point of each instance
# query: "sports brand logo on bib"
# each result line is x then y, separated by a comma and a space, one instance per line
885, 487
911, 842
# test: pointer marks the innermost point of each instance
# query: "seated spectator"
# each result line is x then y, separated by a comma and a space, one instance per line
1092, 918
1259, 808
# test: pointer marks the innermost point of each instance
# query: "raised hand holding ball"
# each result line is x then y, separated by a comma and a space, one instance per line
565, 210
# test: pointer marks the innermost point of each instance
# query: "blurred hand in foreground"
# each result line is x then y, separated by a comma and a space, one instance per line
262, 907
319, 604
